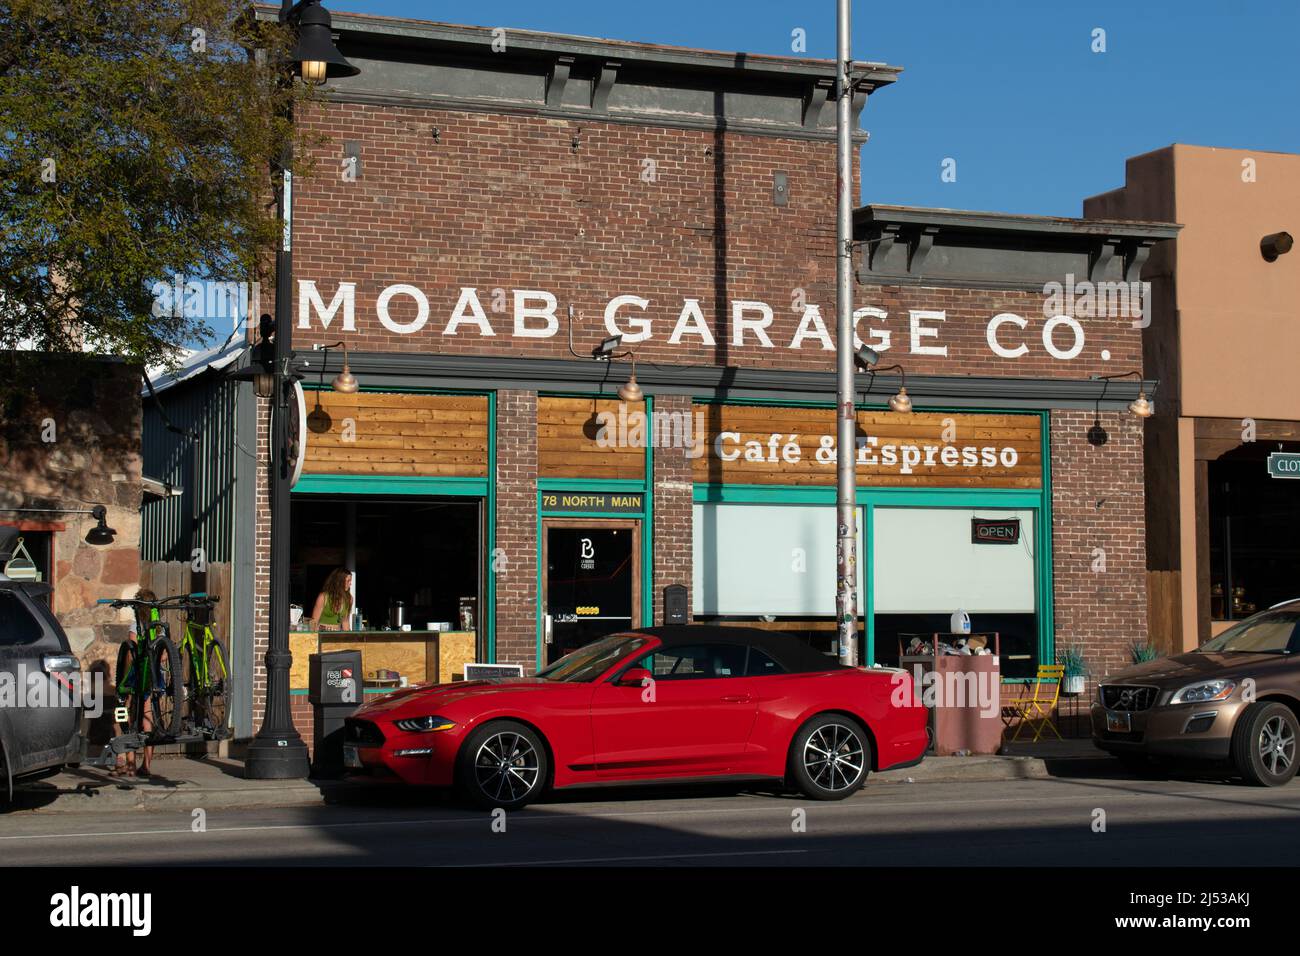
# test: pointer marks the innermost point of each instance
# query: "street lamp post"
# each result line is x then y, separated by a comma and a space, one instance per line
277, 751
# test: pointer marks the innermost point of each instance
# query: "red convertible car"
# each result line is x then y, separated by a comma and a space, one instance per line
658, 704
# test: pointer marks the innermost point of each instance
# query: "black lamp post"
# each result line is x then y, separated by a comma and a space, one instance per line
277, 752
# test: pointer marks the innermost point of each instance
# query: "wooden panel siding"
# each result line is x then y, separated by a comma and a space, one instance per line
776, 462
383, 433
567, 444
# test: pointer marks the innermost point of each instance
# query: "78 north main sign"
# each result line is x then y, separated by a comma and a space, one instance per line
404, 309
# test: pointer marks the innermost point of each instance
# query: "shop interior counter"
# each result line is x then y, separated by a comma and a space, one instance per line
420, 657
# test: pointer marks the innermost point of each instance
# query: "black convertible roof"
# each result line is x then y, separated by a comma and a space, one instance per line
790, 652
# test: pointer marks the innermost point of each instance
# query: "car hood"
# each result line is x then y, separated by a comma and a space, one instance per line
1183, 669
442, 695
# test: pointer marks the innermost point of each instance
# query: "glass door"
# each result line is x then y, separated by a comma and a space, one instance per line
591, 582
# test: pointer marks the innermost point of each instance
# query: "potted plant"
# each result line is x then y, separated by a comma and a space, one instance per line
1143, 651
1076, 670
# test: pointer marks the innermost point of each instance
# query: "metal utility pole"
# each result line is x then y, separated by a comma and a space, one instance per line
846, 558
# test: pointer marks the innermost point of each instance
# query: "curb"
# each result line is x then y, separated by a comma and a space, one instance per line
984, 769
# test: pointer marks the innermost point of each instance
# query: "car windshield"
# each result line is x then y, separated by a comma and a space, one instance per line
587, 663
1273, 632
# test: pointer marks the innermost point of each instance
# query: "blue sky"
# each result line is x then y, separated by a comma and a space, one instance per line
1010, 89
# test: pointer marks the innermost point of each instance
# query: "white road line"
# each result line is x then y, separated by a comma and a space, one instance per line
624, 859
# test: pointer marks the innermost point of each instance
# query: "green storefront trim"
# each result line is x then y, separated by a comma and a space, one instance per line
390, 485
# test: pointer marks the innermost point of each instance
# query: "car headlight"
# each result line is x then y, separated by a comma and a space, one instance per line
1204, 691
420, 725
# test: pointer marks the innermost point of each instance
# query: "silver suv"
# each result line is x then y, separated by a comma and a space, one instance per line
40, 714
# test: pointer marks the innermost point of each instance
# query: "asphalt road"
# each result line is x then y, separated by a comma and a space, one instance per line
1038, 822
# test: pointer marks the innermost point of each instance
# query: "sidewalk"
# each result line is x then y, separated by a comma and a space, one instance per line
218, 783
180, 783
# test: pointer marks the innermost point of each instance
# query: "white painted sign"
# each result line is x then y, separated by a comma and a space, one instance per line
404, 309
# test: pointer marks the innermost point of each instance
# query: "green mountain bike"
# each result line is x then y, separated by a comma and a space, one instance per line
207, 678
148, 673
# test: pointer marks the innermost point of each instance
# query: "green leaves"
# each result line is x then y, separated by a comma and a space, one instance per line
137, 139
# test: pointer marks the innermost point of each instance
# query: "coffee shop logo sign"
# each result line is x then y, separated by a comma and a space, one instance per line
404, 309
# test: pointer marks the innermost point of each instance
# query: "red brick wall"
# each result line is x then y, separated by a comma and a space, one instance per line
301, 711
505, 203
1098, 505
514, 563
673, 490
262, 570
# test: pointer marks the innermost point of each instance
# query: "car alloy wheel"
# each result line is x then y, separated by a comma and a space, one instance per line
830, 757
506, 767
1264, 743
1276, 746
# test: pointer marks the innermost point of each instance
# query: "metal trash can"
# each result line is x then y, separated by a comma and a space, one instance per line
334, 689
972, 722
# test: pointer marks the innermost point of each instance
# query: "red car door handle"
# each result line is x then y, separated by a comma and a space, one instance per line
737, 698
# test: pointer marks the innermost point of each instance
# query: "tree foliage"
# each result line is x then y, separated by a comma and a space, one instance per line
137, 139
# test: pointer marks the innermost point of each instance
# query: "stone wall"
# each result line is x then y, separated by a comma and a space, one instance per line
70, 440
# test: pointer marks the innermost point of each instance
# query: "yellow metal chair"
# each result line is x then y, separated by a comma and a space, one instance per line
1036, 711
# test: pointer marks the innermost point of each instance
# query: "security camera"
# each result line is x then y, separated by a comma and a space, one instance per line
1275, 244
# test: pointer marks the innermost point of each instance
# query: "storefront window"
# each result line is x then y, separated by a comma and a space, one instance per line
926, 564
1254, 526
422, 552
768, 565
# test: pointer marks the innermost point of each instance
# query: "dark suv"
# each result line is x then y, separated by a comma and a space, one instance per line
40, 715
1234, 699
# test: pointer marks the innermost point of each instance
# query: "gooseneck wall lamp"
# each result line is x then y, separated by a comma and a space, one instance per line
867, 357
100, 534
607, 351
1141, 406
345, 383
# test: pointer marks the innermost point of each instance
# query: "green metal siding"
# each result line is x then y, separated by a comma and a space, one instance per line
203, 516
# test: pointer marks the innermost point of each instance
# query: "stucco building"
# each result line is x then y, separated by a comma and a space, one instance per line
1223, 502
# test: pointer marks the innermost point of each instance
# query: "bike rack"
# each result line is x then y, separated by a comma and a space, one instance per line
133, 743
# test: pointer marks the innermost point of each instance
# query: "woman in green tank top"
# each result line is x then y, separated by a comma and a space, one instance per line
333, 610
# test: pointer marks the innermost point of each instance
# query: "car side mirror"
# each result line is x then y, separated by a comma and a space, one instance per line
634, 677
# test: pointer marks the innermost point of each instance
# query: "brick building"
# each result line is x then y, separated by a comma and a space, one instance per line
481, 217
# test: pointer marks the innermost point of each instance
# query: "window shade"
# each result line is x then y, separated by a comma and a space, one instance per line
746, 560
923, 561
